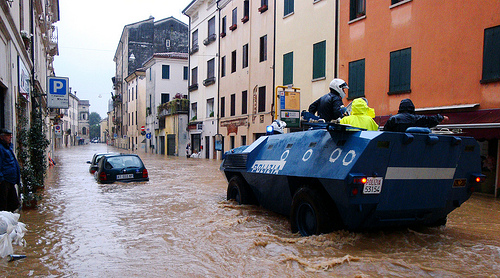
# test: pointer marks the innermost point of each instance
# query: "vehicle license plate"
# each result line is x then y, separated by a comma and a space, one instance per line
373, 185
125, 176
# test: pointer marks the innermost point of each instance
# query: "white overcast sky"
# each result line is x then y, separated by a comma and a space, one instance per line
89, 32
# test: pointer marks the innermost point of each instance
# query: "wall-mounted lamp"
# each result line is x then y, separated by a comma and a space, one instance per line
131, 58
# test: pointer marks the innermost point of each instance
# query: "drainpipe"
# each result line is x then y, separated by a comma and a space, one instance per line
274, 63
336, 58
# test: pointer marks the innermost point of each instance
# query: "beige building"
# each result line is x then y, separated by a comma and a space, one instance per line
135, 100
306, 51
246, 90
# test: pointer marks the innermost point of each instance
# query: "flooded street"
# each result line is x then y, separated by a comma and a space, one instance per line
179, 224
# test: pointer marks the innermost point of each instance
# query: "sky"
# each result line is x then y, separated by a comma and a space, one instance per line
88, 35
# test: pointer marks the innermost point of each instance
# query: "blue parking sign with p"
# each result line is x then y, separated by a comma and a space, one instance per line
58, 92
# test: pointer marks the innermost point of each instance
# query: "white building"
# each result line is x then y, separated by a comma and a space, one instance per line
83, 122
135, 100
204, 67
166, 79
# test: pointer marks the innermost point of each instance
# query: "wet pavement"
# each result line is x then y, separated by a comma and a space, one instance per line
180, 225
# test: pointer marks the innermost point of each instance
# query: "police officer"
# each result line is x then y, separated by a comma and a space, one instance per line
329, 106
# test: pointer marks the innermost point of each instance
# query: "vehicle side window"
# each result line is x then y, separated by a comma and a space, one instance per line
108, 165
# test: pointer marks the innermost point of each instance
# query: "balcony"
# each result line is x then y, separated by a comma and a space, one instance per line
194, 49
176, 106
117, 100
263, 8
193, 87
53, 43
211, 38
209, 81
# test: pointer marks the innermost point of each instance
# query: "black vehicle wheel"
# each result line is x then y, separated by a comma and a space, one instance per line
238, 190
309, 215
439, 222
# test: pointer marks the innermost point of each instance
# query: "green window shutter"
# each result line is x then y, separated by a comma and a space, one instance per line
319, 59
356, 79
165, 72
491, 54
400, 71
288, 68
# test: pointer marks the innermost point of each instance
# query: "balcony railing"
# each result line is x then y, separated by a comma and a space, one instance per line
211, 38
176, 106
209, 81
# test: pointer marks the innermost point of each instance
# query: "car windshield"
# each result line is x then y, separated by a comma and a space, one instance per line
123, 162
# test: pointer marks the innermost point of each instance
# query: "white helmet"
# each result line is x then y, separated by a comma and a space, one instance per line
278, 126
338, 85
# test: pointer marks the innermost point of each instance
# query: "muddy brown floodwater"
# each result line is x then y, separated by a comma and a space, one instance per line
179, 224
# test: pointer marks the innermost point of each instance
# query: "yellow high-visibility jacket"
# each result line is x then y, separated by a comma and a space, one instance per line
361, 116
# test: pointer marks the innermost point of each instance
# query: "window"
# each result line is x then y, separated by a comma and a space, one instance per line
194, 39
211, 68
194, 111
186, 73
319, 59
288, 7
288, 69
234, 18
263, 48
246, 11
165, 72
395, 2
245, 55
400, 71
223, 66
211, 27
194, 76
223, 27
491, 55
357, 9
233, 105
263, 6
244, 101
210, 107
357, 79
262, 99
243, 140
210, 73
222, 107
165, 98
233, 61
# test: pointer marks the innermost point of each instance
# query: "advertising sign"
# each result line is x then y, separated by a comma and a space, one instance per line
24, 79
290, 117
58, 92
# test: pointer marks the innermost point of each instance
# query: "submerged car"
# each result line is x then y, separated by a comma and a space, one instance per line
121, 167
95, 160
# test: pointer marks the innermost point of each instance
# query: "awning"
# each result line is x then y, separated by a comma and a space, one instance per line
480, 124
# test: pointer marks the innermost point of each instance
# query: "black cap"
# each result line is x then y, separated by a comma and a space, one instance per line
5, 131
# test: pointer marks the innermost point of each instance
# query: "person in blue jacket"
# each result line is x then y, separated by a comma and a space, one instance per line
329, 106
10, 173
406, 118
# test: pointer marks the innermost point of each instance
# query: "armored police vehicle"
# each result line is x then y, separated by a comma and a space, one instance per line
338, 177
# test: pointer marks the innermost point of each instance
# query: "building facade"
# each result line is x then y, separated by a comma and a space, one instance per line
246, 91
138, 42
166, 80
203, 67
136, 109
444, 55
83, 135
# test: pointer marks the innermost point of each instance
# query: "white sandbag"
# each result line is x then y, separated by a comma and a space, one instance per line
11, 231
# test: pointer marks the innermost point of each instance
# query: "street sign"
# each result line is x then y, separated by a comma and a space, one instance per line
57, 129
148, 135
143, 128
58, 92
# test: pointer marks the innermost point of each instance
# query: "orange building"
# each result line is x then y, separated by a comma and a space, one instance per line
443, 55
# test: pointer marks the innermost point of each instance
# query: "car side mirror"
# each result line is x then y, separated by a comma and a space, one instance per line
88, 162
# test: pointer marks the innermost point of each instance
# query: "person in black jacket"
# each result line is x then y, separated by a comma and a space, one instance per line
10, 173
329, 105
406, 118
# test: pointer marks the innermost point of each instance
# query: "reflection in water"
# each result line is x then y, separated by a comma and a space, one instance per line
179, 224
